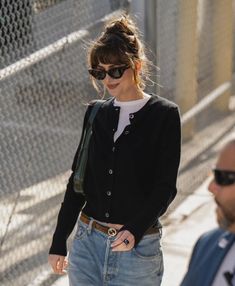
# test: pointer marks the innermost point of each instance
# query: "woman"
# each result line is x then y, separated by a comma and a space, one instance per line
131, 172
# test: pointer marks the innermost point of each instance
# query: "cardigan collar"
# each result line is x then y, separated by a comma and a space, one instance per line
135, 116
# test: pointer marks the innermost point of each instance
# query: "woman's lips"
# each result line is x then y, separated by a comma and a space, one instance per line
112, 86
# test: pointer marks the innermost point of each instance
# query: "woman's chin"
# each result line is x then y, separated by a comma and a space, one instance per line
113, 92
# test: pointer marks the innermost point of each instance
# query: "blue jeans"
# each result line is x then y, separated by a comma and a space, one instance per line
92, 262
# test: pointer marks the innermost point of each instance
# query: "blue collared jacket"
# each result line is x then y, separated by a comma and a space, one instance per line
207, 256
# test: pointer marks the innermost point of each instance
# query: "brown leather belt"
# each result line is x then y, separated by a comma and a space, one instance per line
110, 231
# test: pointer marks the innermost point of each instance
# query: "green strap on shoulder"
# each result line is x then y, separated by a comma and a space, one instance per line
83, 153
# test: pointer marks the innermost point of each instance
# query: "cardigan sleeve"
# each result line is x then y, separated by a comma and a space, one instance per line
164, 190
70, 208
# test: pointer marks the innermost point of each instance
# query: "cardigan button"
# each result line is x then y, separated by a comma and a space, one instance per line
106, 214
108, 193
113, 149
131, 116
126, 132
110, 171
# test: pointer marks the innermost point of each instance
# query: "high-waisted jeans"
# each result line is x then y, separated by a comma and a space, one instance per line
93, 263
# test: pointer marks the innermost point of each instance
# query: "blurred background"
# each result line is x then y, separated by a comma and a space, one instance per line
44, 86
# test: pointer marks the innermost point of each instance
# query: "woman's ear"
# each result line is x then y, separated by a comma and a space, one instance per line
138, 66
137, 70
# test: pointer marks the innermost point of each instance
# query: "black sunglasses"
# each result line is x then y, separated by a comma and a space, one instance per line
115, 73
224, 177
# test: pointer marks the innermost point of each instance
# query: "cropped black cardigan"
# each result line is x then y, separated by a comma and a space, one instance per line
130, 181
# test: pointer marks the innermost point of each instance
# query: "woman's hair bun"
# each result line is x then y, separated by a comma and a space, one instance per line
121, 25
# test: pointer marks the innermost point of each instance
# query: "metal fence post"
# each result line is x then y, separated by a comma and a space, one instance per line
151, 36
186, 62
222, 42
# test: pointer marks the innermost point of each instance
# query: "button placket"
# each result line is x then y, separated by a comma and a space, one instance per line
111, 167
108, 192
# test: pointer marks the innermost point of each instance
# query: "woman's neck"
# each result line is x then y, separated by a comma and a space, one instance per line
134, 94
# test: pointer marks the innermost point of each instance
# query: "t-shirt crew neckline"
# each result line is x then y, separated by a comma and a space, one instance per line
127, 111
132, 102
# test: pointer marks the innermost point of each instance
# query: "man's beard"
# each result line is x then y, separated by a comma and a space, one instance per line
228, 217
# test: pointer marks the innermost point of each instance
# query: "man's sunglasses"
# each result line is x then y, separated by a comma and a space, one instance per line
115, 73
224, 177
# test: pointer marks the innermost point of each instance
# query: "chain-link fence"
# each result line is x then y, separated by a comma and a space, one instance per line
195, 47
44, 85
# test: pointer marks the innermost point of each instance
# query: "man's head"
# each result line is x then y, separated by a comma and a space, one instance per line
223, 186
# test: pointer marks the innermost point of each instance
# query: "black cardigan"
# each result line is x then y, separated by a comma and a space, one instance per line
130, 181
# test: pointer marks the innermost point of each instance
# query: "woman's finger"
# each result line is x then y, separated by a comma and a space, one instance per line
57, 263
52, 259
60, 265
123, 242
119, 238
124, 247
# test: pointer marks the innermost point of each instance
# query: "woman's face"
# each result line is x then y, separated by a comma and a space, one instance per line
121, 86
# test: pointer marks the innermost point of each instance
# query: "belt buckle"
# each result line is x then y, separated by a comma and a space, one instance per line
112, 231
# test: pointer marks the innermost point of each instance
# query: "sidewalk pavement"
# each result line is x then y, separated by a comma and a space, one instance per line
194, 216
184, 226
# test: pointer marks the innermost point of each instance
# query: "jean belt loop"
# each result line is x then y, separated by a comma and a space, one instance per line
89, 228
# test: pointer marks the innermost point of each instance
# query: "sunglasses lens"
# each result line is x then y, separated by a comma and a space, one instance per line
97, 74
224, 178
116, 72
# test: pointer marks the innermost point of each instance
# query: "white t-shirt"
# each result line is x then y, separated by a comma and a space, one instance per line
228, 264
126, 110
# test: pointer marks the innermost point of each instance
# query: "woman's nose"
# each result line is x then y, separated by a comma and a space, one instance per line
107, 79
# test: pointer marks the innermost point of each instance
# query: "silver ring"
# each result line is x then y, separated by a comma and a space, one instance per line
126, 241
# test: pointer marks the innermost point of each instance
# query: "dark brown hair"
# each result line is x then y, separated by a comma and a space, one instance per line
120, 44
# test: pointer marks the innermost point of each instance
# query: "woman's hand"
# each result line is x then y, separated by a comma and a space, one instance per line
124, 241
58, 263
